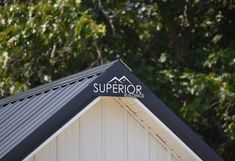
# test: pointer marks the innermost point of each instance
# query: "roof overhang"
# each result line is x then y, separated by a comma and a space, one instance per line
143, 97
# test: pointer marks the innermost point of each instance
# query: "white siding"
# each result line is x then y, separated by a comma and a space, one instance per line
173, 158
138, 140
114, 131
157, 151
68, 143
49, 152
91, 134
106, 132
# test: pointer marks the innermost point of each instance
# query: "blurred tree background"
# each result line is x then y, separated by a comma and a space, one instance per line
184, 50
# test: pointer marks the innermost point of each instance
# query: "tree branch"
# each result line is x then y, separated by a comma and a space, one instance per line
108, 18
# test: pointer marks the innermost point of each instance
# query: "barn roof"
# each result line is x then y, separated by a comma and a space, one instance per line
29, 118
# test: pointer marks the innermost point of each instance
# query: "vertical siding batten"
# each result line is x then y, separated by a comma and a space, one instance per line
114, 130
91, 134
48, 152
125, 134
122, 103
172, 135
108, 130
51, 138
68, 143
102, 131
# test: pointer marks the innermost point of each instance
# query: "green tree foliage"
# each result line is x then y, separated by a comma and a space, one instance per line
43, 41
183, 50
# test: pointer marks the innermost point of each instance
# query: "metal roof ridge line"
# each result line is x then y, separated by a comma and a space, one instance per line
59, 82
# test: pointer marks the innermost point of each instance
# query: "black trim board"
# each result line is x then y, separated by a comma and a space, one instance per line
86, 96
162, 112
47, 129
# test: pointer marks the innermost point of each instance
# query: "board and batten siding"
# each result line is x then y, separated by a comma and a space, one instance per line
106, 132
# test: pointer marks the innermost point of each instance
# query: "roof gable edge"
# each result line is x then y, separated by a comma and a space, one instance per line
76, 104
159, 109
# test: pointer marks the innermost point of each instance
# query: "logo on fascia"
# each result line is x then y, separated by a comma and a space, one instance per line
119, 86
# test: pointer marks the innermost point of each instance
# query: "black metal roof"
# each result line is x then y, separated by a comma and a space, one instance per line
29, 118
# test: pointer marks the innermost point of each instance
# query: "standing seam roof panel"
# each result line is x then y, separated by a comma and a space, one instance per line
29, 105
39, 113
40, 89
20, 118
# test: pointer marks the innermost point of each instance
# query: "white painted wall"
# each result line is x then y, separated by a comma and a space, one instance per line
106, 132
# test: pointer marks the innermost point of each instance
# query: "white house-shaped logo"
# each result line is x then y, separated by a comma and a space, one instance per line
119, 86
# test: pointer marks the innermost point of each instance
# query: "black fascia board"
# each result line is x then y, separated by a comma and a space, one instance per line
80, 101
161, 111
48, 128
